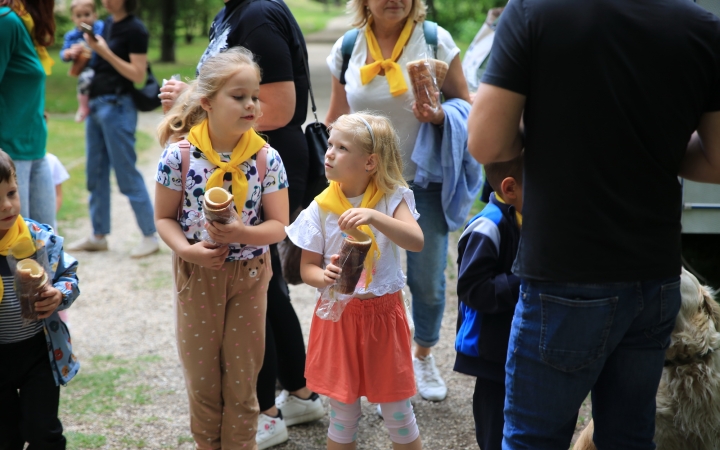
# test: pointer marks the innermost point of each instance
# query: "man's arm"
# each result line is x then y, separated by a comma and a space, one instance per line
494, 124
702, 159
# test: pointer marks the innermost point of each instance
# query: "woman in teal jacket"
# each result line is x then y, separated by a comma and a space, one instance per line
26, 28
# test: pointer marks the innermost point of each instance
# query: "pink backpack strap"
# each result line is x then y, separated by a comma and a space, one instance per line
184, 146
261, 164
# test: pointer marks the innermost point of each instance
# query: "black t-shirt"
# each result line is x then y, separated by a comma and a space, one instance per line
268, 29
125, 37
614, 91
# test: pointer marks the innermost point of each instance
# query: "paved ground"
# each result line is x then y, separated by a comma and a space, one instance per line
126, 311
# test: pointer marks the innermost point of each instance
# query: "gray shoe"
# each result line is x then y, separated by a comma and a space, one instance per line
88, 244
147, 246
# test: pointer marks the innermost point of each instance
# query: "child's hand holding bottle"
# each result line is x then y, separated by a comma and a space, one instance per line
50, 300
226, 233
355, 217
332, 271
205, 254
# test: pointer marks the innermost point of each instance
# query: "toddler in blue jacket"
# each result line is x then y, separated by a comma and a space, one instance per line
74, 47
37, 355
487, 293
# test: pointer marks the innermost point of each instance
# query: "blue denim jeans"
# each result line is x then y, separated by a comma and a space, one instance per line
426, 269
37, 191
110, 142
571, 339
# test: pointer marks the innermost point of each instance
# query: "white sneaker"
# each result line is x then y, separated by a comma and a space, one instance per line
271, 431
379, 411
429, 382
296, 410
88, 244
147, 246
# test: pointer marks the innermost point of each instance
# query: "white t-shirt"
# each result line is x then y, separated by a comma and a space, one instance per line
375, 95
59, 174
309, 234
169, 174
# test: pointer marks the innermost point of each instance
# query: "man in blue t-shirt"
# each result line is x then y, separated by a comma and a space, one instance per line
617, 99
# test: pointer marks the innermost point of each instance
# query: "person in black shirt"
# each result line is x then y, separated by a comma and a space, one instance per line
110, 128
268, 29
611, 94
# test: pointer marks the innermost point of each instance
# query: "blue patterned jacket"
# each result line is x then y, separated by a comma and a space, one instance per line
64, 276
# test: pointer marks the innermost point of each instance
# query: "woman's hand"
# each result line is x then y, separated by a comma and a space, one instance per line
332, 271
354, 217
51, 298
98, 44
169, 93
206, 254
226, 233
425, 113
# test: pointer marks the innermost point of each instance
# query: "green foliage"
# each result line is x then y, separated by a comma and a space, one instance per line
462, 18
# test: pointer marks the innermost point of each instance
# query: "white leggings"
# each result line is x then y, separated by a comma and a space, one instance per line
398, 416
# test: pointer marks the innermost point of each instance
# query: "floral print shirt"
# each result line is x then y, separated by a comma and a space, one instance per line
199, 170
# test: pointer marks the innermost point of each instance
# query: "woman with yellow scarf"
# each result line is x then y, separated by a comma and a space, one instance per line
391, 33
27, 27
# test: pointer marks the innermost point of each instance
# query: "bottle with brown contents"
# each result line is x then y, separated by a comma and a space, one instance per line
30, 280
218, 206
426, 78
352, 254
80, 61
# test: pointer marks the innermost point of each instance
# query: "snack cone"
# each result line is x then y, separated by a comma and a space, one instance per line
353, 252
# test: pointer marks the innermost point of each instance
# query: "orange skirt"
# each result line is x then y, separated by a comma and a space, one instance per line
366, 353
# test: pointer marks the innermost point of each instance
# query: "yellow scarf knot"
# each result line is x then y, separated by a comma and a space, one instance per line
45, 60
393, 71
249, 144
333, 199
19, 233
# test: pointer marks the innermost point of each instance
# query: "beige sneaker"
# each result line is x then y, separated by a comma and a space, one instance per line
147, 246
88, 244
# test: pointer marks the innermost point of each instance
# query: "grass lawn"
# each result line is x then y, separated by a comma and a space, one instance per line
66, 140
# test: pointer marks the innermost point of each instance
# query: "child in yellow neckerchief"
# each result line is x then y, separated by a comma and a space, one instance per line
366, 352
222, 290
38, 353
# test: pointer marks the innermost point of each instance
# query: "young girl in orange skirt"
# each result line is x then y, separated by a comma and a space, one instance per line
367, 351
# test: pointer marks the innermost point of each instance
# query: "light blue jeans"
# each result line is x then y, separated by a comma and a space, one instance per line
571, 339
426, 269
37, 191
110, 142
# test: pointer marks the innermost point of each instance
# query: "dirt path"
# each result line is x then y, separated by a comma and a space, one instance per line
131, 393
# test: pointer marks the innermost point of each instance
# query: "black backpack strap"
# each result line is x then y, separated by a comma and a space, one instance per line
348, 43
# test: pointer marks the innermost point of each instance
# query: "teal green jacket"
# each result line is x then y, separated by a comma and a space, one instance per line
23, 132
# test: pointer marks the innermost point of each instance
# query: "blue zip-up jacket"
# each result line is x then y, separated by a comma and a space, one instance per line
487, 291
442, 157
75, 36
63, 268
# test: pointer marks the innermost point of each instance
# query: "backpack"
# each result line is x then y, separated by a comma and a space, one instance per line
349, 38
260, 165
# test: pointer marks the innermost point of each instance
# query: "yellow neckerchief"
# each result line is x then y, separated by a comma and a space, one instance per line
518, 216
333, 199
45, 59
249, 144
19, 232
393, 72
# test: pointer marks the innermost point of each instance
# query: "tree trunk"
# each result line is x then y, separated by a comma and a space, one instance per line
431, 10
167, 41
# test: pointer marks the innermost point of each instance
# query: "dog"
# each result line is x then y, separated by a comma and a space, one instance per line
688, 398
